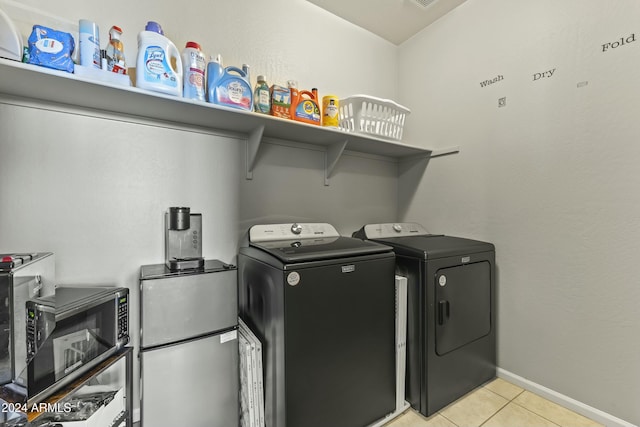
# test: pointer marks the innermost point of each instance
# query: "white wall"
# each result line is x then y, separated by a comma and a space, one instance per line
551, 179
93, 189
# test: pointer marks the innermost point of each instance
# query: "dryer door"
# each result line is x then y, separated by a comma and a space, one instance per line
463, 305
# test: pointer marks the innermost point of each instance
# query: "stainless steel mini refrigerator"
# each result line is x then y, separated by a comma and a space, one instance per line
189, 346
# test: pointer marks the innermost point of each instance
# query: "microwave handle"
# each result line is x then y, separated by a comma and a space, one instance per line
35, 287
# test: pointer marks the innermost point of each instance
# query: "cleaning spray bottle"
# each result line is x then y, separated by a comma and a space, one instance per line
115, 52
154, 65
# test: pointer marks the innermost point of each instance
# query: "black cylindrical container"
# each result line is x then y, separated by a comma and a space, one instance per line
179, 218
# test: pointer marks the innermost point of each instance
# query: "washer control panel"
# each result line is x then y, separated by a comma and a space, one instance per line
394, 229
299, 231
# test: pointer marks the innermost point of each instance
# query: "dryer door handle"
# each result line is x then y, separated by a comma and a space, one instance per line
444, 312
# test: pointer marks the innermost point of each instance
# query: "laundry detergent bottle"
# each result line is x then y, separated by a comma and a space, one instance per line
304, 106
194, 67
229, 86
156, 56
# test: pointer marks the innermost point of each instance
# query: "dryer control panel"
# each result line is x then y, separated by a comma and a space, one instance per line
393, 229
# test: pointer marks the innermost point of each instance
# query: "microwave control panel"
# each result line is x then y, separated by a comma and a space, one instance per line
31, 332
123, 317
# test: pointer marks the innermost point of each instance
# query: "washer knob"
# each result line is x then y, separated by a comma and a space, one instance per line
296, 228
397, 227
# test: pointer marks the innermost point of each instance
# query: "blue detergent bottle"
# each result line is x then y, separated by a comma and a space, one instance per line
228, 86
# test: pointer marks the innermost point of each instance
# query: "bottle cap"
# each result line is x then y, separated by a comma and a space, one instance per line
155, 27
193, 45
115, 32
261, 78
217, 59
87, 26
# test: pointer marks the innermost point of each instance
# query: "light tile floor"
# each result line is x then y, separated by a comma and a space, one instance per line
497, 404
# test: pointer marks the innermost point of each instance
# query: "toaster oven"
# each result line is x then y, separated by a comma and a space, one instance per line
23, 276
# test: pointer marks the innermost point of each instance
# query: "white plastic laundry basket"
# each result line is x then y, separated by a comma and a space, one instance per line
368, 115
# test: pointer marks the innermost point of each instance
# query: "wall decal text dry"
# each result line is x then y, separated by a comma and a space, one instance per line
545, 74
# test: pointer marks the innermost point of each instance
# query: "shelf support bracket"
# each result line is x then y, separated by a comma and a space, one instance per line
253, 145
331, 157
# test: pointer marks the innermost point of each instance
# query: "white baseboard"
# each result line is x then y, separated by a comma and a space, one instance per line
559, 398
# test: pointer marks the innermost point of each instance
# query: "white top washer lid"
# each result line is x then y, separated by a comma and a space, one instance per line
394, 229
290, 231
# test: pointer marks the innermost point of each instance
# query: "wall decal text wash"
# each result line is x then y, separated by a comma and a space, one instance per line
623, 41
492, 81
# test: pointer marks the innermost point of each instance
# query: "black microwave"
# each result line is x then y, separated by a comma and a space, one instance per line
71, 332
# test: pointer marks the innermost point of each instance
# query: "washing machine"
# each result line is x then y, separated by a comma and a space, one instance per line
451, 324
323, 306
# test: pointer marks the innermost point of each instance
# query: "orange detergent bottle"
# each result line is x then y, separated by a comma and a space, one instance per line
304, 106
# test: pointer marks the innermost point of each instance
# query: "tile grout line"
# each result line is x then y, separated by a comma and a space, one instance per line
506, 398
535, 413
542, 416
496, 413
501, 408
517, 395
443, 416
508, 401
521, 406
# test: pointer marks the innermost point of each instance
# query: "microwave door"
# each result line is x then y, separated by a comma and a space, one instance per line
63, 345
73, 350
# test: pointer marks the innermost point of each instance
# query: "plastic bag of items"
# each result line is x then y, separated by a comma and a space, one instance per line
50, 48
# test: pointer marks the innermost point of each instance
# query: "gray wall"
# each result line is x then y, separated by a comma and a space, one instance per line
288, 185
551, 178
93, 191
